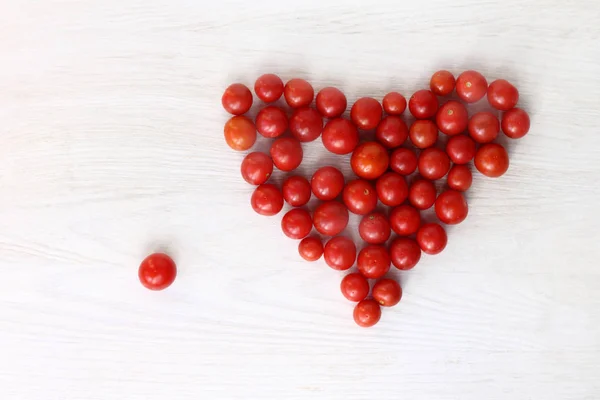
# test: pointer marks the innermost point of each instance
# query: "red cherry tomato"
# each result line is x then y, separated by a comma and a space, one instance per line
515, 123
268, 87
256, 168
374, 228
484, 127
471, 86
298, 93
422, 194
433, 163
423, 133
403, 161
460, 178
392, 189
271, 122
267, 199
442, 83
451, 207
286, 153
394, 103
310, 248
452, 118
340, 253
367, 313
405, 220
157, 271
330, 218
306, 124
327, 183
491, 160
296, 223
405, 253
240, 133
355, 287
391, 132
387, 292
502, 95
373, 261
423, 104
360, 197
296, 190
237, 99
432, 238
460, 149
340, 136
366, 113
331, 102
370, 160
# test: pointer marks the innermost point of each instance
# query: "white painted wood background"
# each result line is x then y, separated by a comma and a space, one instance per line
111, 147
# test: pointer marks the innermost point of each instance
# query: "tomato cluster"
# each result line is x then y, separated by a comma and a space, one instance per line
395, 164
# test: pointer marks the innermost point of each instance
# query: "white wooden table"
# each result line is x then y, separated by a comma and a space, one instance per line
111, 147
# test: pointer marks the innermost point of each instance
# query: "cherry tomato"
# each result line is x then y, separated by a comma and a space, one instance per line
237, 99
433, 163
405, 220
157, 271
268, 87
267, 199
271, 122
405, 253
370, 160
310, 248
403, 161
330, 218
422, 194
331, 102
451, 207
502, 95
360, 197
306, 124
442, 83
394, 103
296, 190
491, 160
355, 287
256, 168
387, 292
327, 183
515, 123
286, 153
340, 136
296, 223
373, 261
423, 104
460, 178
392, 189
484, 127
471, 86
460, 149
432, 238
452, 118
366, 113
391, 132
423, 133
367, 313
240, 133
374, 228
298, 93
340, 253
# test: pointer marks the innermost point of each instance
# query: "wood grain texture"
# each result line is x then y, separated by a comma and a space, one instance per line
111, 147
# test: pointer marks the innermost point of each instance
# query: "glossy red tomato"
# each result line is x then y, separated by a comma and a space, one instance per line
330, 218
451, 207
331, 102
369, 160
256, 168
310, 248
394, 103
403, 161
405, 253
460, 149
391, 132
423, 104
442, 83
367, 313
157, 271
340, 136
327, 183
240, 133
267, 199
460, 178
515, 123
432, 238
471, 86
392, 189
296, 223
374, 228
452, 118
237, 99
502, 95
387, 292
422, 194
423, 133
306, 124
366, 113
360, 196
296, 190
484, 127
271, 122
491, 160
268, 87
355, 287
286, 153
373, 261
340, 253
298, 93
433, 163
405, 220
